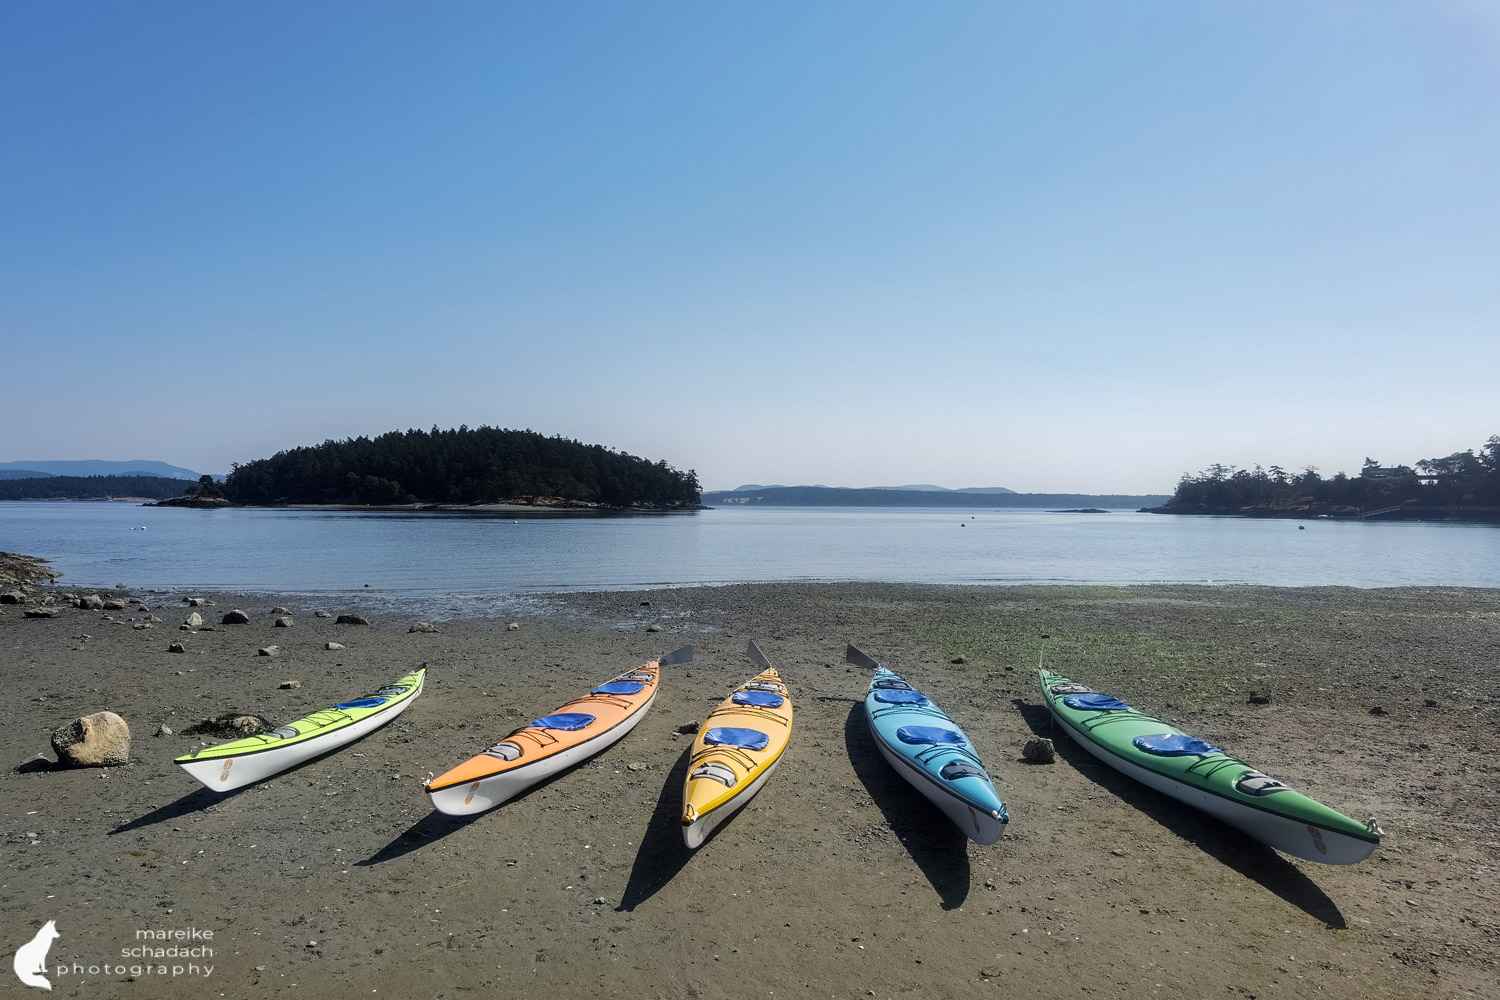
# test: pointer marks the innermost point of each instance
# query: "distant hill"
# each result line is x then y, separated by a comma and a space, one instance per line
22, 474
919, 487
823, 496
96, 467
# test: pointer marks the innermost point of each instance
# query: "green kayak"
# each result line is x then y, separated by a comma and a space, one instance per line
1206, 777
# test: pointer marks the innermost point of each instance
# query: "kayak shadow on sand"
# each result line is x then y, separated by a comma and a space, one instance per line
939, 848
662, 853
1220, 841
427, 830
437, 825
195, 801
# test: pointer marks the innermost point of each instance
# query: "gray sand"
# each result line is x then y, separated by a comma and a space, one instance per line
838, 880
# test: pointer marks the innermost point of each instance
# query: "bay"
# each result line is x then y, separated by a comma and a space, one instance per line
445, 554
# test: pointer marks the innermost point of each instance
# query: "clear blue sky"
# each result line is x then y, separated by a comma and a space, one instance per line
1050, 246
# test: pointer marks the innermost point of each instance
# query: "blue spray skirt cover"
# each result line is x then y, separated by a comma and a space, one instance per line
1174, 745
760, 699
745, 739
618, 687
565, 721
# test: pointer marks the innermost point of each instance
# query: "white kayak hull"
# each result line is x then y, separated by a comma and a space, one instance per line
1287, 835
976, 824
485, 794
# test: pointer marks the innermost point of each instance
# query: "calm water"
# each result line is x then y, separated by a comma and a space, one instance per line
443, 554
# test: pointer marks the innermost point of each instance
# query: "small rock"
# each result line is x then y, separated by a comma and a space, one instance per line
322, 614
351, 620
285, 621
12, 597
512, 627
122, 586
163, 730
39, 613
176, 647
636, 766
98, 740
1039, 751
1377, 710
1430, 702
423, 627
600, 901
281, 611
235, 617
653, 628
289, 685
194, 620
268, 651
687, 728
334, 645
645, 604
91, 602
959, 660
114, 605
1259, 698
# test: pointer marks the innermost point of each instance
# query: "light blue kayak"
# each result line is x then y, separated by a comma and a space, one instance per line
931, 752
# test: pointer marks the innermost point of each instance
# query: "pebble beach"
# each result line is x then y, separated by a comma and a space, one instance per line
838, 880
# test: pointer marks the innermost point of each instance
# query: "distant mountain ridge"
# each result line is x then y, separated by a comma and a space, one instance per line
916, 488
823, 496
99, 467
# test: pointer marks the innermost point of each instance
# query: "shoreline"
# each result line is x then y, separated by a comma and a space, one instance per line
337, 877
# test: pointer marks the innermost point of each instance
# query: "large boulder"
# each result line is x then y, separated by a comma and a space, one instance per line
236, 617
12, 597
194, 620
98, 740
91, 602
351, 620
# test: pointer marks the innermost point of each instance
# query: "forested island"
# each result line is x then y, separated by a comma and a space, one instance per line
44, 487
466, 466
1460, 486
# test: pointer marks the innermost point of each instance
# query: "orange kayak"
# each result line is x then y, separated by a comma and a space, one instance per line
553, 743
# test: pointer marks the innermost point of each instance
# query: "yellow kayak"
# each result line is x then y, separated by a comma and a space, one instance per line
736, 751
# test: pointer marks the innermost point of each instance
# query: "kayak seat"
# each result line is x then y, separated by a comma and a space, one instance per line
565, 721
505, 751
899, 696
1095, 703
930, 735
715, 771
771, 686
638, 675
729, 736
955, 769
760, 699
1256, 783
1174, 745
891, 684
362, 703
1071, 689
394, 691
619, 687
285, 733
